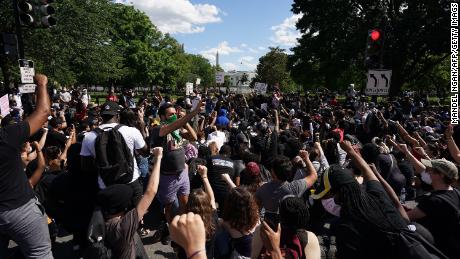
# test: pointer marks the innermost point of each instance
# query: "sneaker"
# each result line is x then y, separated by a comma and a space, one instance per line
165, 238
143, 232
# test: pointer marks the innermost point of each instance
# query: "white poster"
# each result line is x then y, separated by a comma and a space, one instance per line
188, 88
260, 88
4, 105
220, 77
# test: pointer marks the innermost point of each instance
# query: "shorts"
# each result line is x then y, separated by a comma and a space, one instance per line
172, 186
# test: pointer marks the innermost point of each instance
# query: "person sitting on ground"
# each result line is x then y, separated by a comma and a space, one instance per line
122, 223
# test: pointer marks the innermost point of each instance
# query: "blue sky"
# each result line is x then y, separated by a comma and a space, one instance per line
242, 30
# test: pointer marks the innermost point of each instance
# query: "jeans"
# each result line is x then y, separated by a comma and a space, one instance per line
27, 226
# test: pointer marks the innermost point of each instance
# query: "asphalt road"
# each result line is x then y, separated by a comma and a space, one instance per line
63, 246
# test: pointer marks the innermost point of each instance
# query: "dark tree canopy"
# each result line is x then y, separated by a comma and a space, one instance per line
331, 49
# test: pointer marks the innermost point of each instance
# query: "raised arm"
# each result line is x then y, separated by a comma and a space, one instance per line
152, 186
277, 122
228, 180
367, 172
43, 108
37, 174
313, 175
453, 148
166, 129
203, 171
418, 166
42, 141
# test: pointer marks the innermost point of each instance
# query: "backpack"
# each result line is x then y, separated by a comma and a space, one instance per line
96, 236
114, 160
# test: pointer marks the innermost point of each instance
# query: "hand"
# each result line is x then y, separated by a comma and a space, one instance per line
41, 80
270, 238
36, 145
157, 152
346, 146
202, 170
200, 107
140, 113
449, 131
420, 151
188, 231
304, 154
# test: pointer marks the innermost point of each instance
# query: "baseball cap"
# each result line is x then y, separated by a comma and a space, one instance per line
333, 178
443, 166
253, 169
115, 198
110, 108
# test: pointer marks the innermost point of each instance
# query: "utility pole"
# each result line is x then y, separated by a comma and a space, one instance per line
18, 29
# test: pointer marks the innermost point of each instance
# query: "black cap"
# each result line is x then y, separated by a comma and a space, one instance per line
110, 108
334, 177
115, 199
55, 122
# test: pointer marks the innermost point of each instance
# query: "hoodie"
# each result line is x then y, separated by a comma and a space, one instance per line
222, 119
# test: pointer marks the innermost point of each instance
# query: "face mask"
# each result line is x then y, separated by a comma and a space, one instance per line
330, 206
171, 119
426, 178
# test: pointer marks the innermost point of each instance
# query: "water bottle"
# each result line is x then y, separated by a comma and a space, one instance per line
402, 196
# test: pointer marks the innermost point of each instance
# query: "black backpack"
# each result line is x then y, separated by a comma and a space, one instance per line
96, 237
114, 160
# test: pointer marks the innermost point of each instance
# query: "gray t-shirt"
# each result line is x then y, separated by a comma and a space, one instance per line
120, 235
271, 193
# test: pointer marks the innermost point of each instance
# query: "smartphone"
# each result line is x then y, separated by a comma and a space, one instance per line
195, 103
272, 219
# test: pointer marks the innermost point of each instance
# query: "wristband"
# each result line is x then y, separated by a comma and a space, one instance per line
204, 177
195, 253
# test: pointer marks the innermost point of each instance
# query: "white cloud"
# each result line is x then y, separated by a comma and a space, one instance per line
247, 63
179, 16
229, 66
285, 34
261, 48
224, 49
244, 45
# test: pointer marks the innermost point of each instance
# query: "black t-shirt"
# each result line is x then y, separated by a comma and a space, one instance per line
355, 240
388, 167
442, 220
56, 139
173, 161
217, 166
15, 189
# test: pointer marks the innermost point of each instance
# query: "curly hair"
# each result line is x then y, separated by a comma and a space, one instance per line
199, 203
240, 210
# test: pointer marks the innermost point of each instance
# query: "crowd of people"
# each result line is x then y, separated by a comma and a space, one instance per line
237, 176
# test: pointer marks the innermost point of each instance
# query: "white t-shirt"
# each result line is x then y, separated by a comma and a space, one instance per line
65, 97
217, 136
133, 139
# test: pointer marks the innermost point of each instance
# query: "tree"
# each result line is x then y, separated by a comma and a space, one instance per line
272, 68
416, 34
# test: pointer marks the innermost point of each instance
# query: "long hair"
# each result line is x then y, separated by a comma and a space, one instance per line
240, 210
199, 203
361, 209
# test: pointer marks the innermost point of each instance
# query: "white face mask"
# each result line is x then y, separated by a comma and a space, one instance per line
426, 177
330, 206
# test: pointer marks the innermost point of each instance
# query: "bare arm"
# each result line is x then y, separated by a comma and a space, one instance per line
42, 110
152, 186
190, 134
312, 176
453, 148
203, 171
42, 141
391, 193
37, 175
367, 172
277, 122
418, 166
166, 129
405, 135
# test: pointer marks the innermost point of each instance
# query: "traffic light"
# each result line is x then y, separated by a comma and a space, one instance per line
45, 10
374, 49
36, 13
9, 45
26, 11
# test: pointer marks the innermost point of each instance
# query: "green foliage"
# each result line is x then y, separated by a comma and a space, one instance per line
331, 49
273, 69
99, 42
